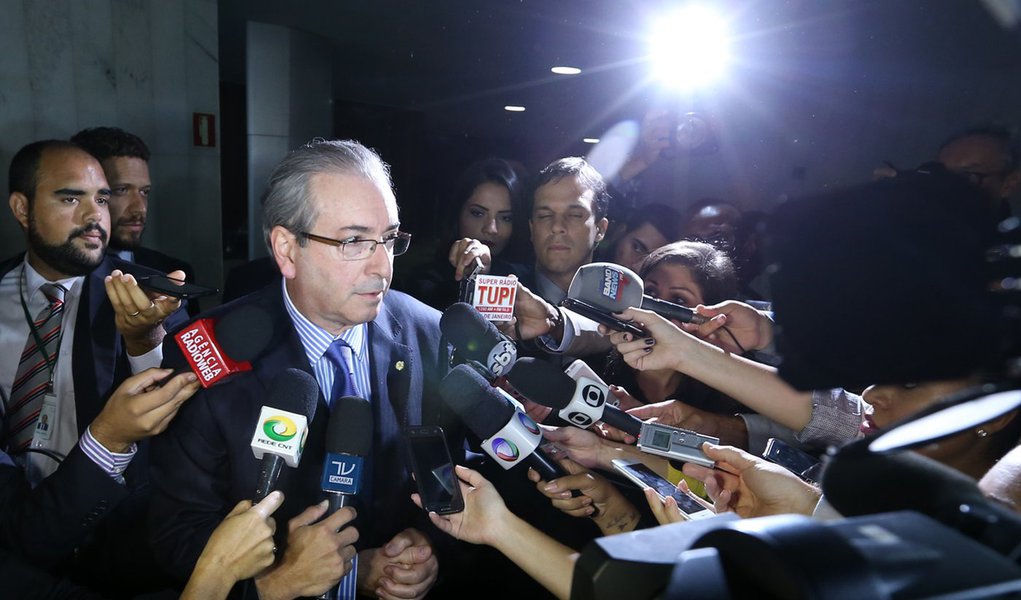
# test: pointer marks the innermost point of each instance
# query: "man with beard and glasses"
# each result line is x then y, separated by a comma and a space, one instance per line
72, 328
125, 160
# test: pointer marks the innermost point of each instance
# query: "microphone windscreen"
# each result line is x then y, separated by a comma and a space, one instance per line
542, 382
243, 334
349, 430
469, 332
481, 407
293, 390
607, 286
857, 482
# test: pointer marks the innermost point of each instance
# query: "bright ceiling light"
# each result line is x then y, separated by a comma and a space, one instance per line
590, 140
566, 70
514, 108
690, 48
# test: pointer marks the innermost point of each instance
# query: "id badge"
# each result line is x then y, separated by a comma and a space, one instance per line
47, 422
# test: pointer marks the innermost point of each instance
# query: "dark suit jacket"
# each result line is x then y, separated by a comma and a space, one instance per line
116, 555
203, 464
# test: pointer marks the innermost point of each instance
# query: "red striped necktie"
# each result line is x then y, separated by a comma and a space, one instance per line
34, 376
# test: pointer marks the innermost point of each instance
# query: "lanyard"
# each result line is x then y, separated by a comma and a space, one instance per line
51, 366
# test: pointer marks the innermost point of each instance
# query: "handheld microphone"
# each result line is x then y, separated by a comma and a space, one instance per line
477, 340
280, 432
581, 402
348, 442
508, 435
611, 288
216, 349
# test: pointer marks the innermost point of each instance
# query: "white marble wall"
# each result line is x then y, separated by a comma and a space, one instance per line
143, 65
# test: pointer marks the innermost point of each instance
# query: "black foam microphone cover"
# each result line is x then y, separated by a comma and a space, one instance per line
244, 334
542, 382
476, 339
292, 390
349, 430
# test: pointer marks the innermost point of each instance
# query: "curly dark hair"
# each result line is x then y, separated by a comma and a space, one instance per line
711, 268
104, 142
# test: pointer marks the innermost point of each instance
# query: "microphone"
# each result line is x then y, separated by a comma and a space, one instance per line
477, 340
280, 432
857, 482
612, 288
508, 435
348, 442
581, 402
216, 349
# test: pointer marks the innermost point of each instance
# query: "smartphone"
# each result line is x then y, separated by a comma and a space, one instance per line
600, 316
466, 289
434, 470
174, 287
797, 461
644, 477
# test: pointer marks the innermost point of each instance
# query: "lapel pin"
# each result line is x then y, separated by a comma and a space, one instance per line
399, 365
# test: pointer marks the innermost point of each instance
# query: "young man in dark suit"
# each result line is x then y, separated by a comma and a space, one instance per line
125, 160
330, 221
72, 328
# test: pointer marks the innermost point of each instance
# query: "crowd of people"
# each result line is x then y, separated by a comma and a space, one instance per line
125, 476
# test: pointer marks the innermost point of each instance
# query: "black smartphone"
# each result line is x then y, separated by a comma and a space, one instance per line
797, 461
599, 316
173, 287
466, 288
437, 483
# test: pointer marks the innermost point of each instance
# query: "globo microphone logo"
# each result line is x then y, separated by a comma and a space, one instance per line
528, 423
593, 395
279, 428
505, 449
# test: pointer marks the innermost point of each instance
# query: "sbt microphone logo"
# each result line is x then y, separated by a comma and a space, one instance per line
342, 473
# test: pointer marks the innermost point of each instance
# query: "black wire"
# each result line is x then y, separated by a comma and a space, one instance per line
733, 337
52, 454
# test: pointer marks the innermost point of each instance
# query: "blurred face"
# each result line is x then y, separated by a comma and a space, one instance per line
332, 292
889, 404
716, 223
673, 283
487, 216
67, 221
981, 159
129, 201
564, 228
632, 249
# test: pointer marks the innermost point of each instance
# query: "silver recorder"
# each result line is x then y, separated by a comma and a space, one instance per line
678, 444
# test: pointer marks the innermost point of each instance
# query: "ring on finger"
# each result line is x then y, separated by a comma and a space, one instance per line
135, 314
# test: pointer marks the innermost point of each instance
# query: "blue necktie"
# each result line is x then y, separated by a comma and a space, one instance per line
339, 354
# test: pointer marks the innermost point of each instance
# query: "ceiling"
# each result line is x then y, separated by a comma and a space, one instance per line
460, 61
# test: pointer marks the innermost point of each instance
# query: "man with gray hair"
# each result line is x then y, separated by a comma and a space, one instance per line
330, 221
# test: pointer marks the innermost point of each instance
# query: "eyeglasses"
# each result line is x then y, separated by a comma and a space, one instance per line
359, 249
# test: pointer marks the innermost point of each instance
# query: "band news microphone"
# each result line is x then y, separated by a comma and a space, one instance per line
280, 433
508, 435
477, 340
612, 288
581, 402
348, 442
216, 349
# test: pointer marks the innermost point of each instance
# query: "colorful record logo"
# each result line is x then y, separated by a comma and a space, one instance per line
528, 423
279, 428
505, 449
